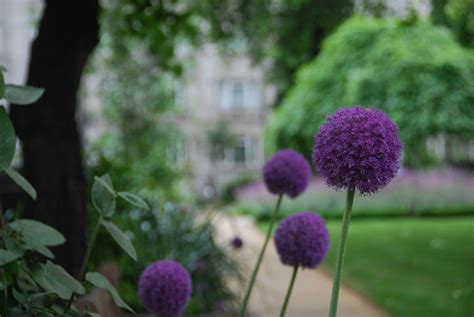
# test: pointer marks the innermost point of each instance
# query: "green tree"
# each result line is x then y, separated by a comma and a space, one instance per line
416, 72
67, 35
136, 144
458, 15
287, 33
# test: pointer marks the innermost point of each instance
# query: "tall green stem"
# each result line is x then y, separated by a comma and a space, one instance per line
90, 245
243, 309
5, 292
288, 293
5, 285
346, 219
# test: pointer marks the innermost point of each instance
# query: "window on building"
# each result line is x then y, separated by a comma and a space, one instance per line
243, 152
238, 94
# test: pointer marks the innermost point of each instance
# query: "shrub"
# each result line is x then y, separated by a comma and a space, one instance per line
174, 232
414, 71
412, 193
38, 286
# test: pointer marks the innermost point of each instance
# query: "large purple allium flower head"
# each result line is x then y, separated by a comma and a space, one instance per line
302, 240
287, 172
357, 148
165, 288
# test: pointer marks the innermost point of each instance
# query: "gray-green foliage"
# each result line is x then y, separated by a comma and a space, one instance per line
21, 95
37, 287
101, 281
416, 72
103, 197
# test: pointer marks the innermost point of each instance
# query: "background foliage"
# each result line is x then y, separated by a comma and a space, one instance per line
286, 33
414, 71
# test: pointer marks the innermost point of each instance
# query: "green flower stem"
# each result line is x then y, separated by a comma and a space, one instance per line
5, 285
243, 309
5, 293
90, 245
288, 293
346, 219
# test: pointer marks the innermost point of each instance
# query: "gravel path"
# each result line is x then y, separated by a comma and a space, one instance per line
312, 291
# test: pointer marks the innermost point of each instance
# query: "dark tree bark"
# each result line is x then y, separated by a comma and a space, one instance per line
67, 35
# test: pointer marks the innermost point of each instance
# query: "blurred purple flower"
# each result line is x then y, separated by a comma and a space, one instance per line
358, 148
165, 288
302, 239
417, 191
237, 243
287, 172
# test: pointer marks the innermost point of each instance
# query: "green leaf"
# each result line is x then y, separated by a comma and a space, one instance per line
22, 95
38, 247
53, 278
106, 181
7, 140
134, 200
7, 257
21, 298
21, 181
38, 231
98, 280
25, 280
122, 240
13, 245
103, 195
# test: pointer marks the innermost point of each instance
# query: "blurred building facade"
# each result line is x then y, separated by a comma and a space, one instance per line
221, 97
220, 93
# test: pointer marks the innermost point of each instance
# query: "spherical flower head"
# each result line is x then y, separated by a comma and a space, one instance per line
287, 172
165, 288
237, 243
357, 148
302, 240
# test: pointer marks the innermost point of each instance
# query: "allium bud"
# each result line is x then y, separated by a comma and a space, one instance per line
287, 172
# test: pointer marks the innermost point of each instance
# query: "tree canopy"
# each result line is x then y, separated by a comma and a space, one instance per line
458, 15
287, 33
414, 71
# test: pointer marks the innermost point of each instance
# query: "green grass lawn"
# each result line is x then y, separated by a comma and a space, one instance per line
411, 267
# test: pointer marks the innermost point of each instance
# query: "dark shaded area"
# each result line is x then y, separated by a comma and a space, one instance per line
67, 35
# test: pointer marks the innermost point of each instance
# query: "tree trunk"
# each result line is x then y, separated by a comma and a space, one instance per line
67, 35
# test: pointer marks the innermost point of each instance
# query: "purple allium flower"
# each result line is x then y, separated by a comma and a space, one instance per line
357, 148
165, 288
237, 243
287, 172
302, 239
